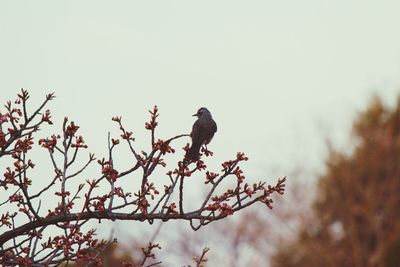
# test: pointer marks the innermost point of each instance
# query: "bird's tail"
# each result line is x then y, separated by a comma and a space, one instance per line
193, 153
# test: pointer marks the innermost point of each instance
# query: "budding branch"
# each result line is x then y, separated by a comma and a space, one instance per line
27, 226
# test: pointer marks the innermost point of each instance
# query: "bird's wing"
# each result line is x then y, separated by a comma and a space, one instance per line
213, 126
203, 130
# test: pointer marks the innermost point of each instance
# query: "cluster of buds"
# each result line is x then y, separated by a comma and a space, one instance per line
49, 143
3, 140
153, 120
24, 144
210, 176
228, 165
163, 146
182, 170
223, 208
9, 178
71, 129
6, 219
79, 143
171, 209
107, 170
46, 117
279, 188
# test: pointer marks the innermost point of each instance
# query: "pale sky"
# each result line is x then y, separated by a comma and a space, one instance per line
279, 77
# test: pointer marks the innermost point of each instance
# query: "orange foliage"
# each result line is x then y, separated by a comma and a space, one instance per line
357, 210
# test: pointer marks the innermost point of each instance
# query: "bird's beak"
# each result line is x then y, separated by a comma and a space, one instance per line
194, 115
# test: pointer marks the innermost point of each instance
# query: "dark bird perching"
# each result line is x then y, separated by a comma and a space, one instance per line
203, 131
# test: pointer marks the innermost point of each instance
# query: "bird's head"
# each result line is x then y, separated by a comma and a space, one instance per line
201, 112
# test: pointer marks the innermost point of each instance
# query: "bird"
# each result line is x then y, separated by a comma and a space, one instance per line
203, 131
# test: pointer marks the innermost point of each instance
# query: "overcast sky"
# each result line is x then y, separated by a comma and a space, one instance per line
278, 76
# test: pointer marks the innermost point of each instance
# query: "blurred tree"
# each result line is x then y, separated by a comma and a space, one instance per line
113, 255
357, 209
